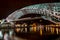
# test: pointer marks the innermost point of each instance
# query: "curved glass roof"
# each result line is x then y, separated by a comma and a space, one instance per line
23, 11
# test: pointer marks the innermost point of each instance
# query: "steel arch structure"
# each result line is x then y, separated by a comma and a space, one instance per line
47, 9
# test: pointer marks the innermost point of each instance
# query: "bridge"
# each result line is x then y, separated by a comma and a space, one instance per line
45, 14
49, 11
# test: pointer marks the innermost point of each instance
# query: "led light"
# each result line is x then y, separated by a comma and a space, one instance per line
57, 30
40, 31
18, 29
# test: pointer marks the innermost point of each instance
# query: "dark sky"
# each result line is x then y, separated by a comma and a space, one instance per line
9, 6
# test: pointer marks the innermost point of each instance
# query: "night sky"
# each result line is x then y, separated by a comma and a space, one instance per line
9, 6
